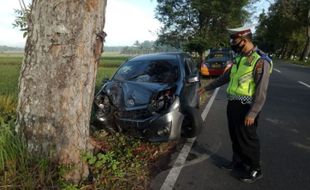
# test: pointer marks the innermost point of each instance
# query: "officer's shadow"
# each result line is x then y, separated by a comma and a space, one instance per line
201, 152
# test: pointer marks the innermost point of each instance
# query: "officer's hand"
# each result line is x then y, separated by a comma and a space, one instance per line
249, 121
201, 91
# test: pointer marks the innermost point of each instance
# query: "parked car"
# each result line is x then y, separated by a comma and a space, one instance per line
152, 96
217, 62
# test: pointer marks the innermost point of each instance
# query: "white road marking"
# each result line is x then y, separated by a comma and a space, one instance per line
277, 70
305, 84
179, 163
206, 110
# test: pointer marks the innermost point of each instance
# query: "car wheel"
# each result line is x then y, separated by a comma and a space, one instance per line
192, 122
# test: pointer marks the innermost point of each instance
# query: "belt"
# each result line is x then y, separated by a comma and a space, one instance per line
242, 99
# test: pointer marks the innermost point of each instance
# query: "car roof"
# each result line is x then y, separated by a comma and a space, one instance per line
165, 55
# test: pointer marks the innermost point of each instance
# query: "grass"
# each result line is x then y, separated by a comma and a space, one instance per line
119, 161
18, 168
9, 74
10, 65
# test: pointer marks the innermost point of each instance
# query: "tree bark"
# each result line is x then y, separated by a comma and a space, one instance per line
57, 80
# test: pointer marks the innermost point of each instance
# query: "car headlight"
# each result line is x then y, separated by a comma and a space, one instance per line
162, 101
103, 106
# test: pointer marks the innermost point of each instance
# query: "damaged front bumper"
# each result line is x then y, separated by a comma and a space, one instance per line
154, 126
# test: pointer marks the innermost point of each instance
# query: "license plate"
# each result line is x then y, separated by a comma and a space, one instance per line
216, 66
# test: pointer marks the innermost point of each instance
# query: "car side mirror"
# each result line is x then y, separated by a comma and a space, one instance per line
192, 78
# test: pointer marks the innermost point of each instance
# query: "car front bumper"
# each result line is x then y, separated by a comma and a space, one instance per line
157, 127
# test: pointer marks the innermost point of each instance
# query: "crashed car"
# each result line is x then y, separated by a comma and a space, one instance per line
152, 96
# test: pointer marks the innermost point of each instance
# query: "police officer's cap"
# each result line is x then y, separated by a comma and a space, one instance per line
239, 32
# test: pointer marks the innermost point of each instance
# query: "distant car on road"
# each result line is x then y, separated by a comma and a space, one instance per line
152, 96
217, 62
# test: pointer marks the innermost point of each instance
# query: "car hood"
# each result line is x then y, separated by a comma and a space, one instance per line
131, 94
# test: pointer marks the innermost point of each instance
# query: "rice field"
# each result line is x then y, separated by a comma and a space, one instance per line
10, 64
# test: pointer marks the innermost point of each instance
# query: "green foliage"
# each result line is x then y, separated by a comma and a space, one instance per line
198, 24
106, 160
283, 30
22, 19
11, 148
7, 109
16, 164
122, 162
117, 166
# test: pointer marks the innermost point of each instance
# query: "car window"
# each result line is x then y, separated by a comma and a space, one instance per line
190, 66
159, 71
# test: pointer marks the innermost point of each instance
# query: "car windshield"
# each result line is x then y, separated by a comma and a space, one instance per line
158, 71
218, 55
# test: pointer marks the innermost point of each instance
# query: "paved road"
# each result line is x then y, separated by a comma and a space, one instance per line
284, 131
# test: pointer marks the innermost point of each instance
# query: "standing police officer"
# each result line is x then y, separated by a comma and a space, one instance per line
248, 81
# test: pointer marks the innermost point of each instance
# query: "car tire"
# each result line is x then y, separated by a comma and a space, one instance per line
192, 122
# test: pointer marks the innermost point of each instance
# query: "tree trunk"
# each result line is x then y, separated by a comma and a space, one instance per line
306, 51
282, 51
284, 54
202, 56
57, 80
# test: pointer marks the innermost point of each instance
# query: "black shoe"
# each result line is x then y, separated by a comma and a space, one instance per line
252, 176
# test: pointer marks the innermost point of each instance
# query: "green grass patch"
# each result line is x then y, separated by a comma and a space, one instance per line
108, 61
9, 75
18, 168
10, 60
7, 109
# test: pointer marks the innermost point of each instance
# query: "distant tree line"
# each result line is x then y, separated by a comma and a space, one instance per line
113, 48
198, 25
147, 47
7, 48
285, 29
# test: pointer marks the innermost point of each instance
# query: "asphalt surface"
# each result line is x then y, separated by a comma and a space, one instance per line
284, 130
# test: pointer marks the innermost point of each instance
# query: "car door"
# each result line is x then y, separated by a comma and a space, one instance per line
191, 82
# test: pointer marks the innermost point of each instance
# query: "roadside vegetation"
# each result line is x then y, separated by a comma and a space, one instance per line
117, 162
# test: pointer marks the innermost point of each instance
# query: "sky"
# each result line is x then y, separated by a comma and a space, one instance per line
126, 22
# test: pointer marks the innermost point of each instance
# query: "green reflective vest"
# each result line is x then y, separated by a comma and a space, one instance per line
242, 76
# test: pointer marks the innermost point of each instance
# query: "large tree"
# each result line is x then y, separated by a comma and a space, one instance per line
197, 25
57, 79
285, 29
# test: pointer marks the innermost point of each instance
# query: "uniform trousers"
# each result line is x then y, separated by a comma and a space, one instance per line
245, 141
